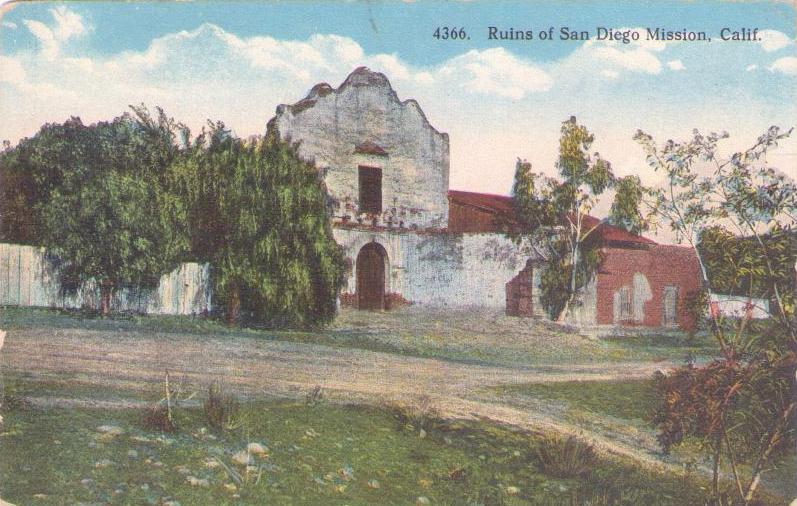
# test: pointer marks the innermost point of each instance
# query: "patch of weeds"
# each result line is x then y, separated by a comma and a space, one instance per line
420, 415
569, 458
314, 396
220, 407
13, 402
158, 417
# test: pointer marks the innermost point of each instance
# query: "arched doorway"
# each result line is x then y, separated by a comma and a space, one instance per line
371, 276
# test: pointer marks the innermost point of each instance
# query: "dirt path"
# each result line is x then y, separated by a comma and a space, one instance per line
258, 367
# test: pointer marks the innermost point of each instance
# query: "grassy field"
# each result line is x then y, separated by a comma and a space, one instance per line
625, 409
471, 336
315, 454
628, 400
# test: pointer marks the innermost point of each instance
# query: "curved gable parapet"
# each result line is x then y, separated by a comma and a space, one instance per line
362, 123
359, 78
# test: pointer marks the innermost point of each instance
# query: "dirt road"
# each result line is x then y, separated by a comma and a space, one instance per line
253, 367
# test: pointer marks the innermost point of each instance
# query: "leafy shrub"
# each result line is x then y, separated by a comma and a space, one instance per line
314, 396
13, 402
419, 415
10, 399
220, 408
569, 458
158, 418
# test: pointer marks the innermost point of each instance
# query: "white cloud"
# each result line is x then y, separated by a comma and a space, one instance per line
786, 65
637, 59
48, 44
67, 25
676, 65
751, 67
772, 40
9, 25
495, 104
11, 71
638, 56
496, 71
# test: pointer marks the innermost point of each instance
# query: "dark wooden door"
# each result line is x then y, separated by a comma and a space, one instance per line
371, 278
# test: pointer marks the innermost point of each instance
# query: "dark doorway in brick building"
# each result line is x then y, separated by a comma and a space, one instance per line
371, 277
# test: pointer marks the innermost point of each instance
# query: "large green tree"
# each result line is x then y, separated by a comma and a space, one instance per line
95, 196
554, 212
258, 213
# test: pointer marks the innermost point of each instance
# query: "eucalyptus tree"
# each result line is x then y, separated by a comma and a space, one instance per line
555, 212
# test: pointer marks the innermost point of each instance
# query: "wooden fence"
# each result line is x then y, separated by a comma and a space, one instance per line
29, 277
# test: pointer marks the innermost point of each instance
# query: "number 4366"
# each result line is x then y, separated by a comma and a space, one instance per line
450, 33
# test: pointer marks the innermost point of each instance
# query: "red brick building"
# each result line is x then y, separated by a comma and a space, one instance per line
639, 283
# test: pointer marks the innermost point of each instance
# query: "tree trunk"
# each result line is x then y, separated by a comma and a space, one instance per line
106, 294
572, 295
562, 318
715, 474
781, 425
233, 304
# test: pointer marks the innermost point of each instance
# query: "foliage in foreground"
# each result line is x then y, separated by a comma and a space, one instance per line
220, 407
567, 458
322, 454
741, 407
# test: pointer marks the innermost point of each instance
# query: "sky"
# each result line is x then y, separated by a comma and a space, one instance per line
499, 100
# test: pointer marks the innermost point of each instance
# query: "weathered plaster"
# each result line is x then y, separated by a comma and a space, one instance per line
329, 123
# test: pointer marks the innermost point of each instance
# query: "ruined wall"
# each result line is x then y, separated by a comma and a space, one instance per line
330, 123
28, 277
645, 273
438, 269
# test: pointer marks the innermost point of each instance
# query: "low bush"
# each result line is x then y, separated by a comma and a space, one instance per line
220, 407
419, 415
158, 418
13, 402
314, 396
568, 458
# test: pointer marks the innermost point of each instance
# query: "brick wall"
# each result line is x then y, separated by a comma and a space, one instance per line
660, 266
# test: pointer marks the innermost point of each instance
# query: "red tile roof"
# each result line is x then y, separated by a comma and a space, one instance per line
495, 206
486, 201
613, 234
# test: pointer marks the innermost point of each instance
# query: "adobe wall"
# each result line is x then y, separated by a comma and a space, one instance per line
329, 123
439, 269
655, 268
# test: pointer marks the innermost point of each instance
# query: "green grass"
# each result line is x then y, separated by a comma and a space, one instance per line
628, 400
322, 454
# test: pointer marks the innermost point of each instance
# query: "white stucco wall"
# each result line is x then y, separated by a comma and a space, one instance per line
329, 123
438, 269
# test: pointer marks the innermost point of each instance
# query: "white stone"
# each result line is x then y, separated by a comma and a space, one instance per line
242, 458
112, 430
256, 449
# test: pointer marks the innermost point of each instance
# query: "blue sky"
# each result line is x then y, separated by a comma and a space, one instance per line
393, 27
498, 100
